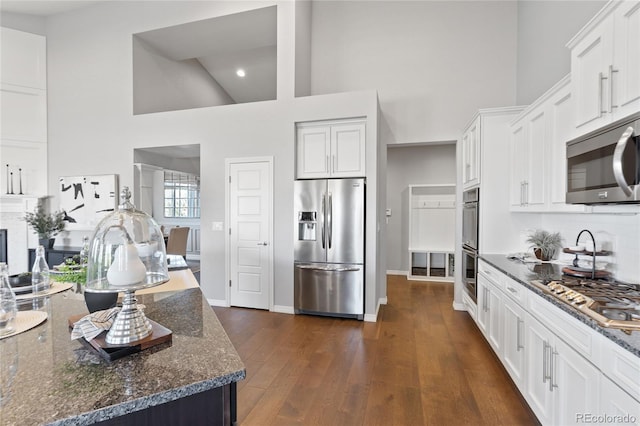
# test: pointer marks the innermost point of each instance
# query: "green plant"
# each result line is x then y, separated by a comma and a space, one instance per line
44, 224
71, 272
546, 242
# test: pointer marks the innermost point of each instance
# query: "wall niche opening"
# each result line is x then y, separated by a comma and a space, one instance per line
225, 60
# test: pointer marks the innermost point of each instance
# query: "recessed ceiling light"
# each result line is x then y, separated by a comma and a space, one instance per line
240, 72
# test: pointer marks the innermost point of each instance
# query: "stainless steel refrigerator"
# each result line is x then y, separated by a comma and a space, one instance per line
329, 247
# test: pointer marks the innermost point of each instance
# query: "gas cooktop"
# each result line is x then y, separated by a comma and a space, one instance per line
611, 304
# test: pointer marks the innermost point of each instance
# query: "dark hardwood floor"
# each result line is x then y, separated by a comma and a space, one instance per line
421, 363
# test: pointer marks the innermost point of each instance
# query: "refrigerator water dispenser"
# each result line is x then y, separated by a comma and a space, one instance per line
307, 226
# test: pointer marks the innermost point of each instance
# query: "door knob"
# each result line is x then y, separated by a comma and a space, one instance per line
264, 243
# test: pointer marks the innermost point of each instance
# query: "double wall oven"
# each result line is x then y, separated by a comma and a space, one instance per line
470, 199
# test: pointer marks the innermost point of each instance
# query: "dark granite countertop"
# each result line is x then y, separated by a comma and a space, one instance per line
524, 273
47, 378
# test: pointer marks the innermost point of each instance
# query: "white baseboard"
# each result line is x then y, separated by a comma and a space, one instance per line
218, 302
374, 317
283, 309
459, 306
394, 272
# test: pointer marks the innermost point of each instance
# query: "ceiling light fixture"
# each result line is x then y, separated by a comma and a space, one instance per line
240, 72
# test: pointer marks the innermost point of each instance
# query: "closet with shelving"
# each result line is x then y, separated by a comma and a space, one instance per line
431, 231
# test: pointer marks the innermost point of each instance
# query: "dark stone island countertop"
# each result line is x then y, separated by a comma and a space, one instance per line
47, 378
524, 273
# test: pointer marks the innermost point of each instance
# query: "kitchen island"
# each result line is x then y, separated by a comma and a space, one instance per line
47, 378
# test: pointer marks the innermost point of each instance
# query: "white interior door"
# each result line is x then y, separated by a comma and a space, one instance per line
249, 206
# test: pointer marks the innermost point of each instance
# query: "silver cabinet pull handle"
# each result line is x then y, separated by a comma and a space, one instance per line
618, 173
545, 346
264, 243
552, 375
518, 344
601, 110
611, 72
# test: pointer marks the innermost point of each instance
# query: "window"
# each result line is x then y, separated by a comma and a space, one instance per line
181, 195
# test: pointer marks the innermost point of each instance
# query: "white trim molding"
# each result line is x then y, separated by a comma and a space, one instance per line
396, 272
281, 309
218, 302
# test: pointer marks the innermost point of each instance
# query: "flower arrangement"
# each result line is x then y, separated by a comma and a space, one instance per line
44, 224
544, 243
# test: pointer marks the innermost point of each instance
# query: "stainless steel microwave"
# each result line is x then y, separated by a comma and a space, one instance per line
604, 166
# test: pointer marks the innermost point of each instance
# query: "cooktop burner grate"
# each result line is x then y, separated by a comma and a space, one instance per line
611, 304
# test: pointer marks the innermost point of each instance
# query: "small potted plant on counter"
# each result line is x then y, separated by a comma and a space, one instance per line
74, 270
45, 225
544, 243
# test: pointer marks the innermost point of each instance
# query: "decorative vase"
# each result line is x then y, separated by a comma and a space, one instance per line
539, 255
100, 301
47, 243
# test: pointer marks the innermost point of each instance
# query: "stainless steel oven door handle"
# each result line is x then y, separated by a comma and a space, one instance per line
618, 173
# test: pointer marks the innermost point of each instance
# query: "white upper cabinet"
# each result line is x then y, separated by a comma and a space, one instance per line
330, 149
471, 155
538, 152
528, 168
605, 65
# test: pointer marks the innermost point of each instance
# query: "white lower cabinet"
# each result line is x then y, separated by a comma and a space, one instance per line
514, 318
616, 406
563, 381
561, 384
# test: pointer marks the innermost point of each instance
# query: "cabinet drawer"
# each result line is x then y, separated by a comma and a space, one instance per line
621, 366
577, 335
515, 290
492, 274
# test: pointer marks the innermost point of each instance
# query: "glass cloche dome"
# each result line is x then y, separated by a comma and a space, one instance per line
127, 251
126, 254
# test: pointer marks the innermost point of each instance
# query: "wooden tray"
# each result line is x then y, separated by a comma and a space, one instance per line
581, 273
159, 334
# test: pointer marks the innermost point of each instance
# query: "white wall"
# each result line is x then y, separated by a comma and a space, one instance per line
92, 128
29, 23
433, 63
619, 233
544, 28
162, 84
411, 166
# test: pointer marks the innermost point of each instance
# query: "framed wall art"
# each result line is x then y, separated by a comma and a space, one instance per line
85, 200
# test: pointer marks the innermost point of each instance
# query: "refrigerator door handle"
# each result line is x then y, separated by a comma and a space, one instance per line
330, 220
323, 217
329, 268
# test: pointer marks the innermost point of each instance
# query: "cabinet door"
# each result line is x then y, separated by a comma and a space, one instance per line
513, 341
495, 322
589, 75
616, 402
535, 166
471, 155
517, 149
483, 304
538, 351
348, 150
313, 145
574, 384
625, 71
